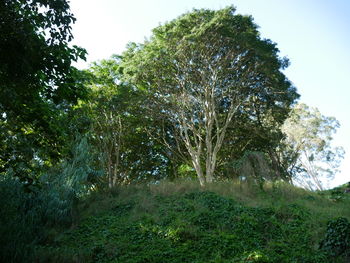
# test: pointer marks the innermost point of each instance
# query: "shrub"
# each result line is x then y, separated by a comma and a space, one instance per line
26, 217
337, 239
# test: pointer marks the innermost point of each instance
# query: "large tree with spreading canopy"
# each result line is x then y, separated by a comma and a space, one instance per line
202, 70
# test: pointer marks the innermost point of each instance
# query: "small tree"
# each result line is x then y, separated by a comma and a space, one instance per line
110, 118
124, 149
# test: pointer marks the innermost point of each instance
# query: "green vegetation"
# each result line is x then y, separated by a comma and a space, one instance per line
38, 85
183, 148
205, 95
182, 222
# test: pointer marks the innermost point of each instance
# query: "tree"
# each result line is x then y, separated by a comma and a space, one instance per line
308, 153
203, 70
110, 127
118, 128
37, 81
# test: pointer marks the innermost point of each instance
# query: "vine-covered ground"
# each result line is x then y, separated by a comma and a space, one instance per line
181, 222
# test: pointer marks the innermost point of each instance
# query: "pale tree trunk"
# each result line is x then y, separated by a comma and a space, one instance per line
115, 176
213, 147
109, 171
199, 171
214, 135
210, 116
311, 171
117, 145
203, 80
194, 148
207, 132
213, 142
109, 131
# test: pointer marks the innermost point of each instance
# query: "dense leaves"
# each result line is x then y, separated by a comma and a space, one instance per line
26, 218
119, 130
211, 75
35, 55
194, 227
37, 81
337, 239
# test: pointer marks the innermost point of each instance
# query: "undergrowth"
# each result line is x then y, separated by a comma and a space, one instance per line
182, 222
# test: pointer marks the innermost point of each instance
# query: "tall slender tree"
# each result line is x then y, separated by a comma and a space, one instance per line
307, 149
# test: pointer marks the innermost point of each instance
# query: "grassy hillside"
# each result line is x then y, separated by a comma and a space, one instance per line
224, 222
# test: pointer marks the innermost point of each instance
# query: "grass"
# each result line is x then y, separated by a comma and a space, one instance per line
180, 221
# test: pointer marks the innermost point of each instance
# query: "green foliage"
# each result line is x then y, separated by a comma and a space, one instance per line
78, 173
218, 84
30, 218
17, 229
35, 56
206, 83
338, 194
337, 239
195, 226
37, 83
27, 217
119, 131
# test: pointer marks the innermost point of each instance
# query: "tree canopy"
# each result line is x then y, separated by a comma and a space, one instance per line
205, 70
35, 56
37, 80
204, 95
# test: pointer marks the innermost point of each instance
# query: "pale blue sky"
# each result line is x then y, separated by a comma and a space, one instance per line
313, 34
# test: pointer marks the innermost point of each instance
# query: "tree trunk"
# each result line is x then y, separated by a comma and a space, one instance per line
275, 164
199, 171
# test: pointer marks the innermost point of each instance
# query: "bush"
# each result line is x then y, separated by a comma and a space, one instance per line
337, 239
26, 217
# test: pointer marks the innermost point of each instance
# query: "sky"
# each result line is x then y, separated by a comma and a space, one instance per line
313, 34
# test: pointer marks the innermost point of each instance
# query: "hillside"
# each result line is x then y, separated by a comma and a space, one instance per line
225, 222
171, 150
